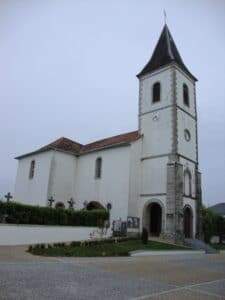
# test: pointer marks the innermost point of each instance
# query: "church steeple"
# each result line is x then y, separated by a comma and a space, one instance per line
165, 53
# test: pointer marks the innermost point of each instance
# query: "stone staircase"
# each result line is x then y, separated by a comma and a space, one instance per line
200, 245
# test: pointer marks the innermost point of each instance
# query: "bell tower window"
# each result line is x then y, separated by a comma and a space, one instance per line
186, 95
156, 92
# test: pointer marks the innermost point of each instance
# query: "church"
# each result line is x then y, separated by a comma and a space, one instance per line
150, 175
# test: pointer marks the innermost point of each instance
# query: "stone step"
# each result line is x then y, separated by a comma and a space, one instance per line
200, 245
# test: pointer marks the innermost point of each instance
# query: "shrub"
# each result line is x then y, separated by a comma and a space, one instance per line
144, 236
18, 213
212, 224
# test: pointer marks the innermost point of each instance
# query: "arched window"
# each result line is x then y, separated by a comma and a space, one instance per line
98, 167
156, 92
187, 183
186, 94
32, 168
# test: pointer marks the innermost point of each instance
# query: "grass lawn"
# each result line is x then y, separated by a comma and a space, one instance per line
104, 249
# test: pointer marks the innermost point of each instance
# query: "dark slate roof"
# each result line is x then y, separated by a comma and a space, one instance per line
67, 145
219, 209
165, 53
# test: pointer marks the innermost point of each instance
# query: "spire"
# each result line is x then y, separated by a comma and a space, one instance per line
165, 52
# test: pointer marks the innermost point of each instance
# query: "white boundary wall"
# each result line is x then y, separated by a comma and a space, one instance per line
34, 234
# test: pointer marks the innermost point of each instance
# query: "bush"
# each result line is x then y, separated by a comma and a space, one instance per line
18, 213
212, 224
144, 236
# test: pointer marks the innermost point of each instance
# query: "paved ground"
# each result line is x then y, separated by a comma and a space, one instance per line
186, 276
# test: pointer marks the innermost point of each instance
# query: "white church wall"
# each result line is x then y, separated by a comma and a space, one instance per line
146, 83
157, 131
34, 234
112, 187
154, 176
33, 191
63, 176
181, 79
186, 148
156, 118
135, 178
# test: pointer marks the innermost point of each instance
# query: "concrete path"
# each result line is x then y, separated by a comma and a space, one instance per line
165, 252
183, 276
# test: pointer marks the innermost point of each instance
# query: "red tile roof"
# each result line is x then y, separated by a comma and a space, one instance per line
111, 141
67, 145
64, 144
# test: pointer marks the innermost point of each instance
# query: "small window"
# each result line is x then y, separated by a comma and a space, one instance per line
187, 135
186, 95
156, 92
98, 167
32, 167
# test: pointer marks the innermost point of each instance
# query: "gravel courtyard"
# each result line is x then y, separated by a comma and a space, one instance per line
182, 276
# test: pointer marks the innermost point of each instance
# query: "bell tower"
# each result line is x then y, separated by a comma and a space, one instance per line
168, 123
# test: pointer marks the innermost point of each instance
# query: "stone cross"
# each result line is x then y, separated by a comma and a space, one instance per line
8, 197
71, 203
51, 200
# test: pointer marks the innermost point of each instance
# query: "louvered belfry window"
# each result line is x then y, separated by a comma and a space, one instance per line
186, 95
156, 92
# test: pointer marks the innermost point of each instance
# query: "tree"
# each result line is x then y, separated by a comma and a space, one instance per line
212, 224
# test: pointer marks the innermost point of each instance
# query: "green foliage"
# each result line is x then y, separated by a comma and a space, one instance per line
18, 213
103, 248
212, 224
144, 236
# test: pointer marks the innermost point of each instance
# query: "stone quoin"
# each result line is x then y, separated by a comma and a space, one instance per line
150, 175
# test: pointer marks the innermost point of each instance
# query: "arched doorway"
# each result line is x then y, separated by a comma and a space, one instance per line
188, 220
155, 224
94, 205
154, 217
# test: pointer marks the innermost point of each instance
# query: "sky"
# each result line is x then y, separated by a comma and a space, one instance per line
68, 68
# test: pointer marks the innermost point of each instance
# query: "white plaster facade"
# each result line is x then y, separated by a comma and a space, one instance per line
11, 235
134, 174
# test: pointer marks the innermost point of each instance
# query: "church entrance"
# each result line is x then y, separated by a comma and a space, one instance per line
155, 222
188, 222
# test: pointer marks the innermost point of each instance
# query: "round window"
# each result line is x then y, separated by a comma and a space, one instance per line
187, 135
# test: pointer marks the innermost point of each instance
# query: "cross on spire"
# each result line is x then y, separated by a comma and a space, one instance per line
71, 203
51, 200
8, 197
165, 16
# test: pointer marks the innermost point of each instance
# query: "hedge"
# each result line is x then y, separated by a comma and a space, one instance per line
17, 213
